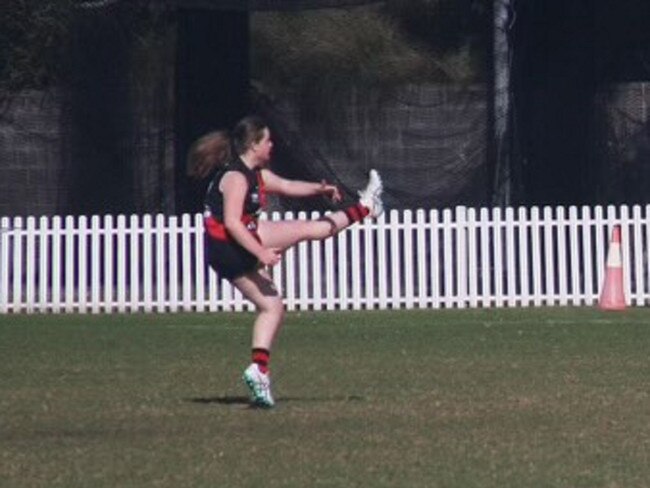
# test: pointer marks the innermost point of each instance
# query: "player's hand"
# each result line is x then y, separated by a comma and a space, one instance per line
331, 191
269, 257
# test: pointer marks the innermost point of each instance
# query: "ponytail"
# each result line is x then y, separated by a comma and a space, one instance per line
208, 153
216, 148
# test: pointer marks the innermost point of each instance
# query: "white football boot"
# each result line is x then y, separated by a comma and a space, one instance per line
370, 196
259, 385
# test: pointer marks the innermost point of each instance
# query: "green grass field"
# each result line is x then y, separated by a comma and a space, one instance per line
477, 398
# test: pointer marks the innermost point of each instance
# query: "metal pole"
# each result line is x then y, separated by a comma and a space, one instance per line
502, 191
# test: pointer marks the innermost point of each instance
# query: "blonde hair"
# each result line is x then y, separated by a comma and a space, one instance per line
209, 152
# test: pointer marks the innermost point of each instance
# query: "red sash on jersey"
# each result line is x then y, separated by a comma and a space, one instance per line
217, 229
262, 189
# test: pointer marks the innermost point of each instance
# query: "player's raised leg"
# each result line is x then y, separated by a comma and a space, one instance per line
285, 234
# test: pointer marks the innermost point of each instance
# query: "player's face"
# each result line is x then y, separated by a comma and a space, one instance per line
264, 147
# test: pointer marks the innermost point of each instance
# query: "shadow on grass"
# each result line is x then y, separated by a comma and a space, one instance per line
243, 400
222, 400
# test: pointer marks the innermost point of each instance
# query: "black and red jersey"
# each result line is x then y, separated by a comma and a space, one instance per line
253, 203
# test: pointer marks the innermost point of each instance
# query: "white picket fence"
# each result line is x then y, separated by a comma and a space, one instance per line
407, 259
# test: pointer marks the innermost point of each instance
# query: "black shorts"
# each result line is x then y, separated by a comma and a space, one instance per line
229, 259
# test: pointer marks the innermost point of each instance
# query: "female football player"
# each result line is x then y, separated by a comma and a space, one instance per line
240, 247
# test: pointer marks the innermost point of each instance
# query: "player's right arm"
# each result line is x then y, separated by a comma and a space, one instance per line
297, 188
234, 188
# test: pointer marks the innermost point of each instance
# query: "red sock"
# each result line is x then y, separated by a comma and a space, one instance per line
261, 357
356, 213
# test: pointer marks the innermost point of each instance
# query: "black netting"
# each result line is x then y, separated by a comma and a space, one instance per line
623, 144
579, 73
352, 89
103, 121
428, 141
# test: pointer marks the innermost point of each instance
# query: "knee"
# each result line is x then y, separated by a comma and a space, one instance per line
273, 306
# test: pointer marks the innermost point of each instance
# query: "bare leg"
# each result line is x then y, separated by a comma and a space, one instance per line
285, 234
282, 235
259, 288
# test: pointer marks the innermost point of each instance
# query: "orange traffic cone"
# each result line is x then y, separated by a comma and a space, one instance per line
612, 296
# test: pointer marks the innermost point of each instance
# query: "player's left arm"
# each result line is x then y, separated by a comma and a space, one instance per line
297, 189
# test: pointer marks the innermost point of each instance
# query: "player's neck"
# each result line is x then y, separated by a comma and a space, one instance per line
249, 160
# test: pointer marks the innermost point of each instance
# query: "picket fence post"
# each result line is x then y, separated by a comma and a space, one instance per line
450, 258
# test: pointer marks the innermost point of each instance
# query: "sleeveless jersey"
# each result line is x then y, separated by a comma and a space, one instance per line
253, 202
